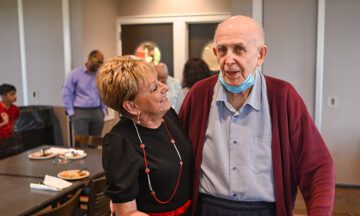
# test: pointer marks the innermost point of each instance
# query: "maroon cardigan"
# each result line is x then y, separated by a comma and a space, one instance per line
299, 154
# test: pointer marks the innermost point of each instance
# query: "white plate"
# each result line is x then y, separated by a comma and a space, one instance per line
73, 174
73, 157
39, 155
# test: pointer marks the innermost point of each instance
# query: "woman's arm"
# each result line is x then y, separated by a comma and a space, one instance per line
127, 209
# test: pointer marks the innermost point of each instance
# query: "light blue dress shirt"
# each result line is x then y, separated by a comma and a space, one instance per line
237, 160
174, 89
80, 90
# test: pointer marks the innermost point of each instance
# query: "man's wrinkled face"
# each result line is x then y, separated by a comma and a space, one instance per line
237, 51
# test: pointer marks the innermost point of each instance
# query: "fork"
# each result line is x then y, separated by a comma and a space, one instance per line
80, 170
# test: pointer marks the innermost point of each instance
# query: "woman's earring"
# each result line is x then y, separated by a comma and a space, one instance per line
138, 118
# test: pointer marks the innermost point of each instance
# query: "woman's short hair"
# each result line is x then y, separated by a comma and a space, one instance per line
195, 69
119, 79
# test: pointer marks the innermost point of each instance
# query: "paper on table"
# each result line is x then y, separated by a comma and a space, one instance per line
56, 182
51, 183
43, 187
64, 150
74, 153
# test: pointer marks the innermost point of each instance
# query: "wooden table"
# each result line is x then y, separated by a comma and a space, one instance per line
21, 165
17, 172
17, 198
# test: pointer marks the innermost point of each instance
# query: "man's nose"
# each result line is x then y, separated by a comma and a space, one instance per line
229, 58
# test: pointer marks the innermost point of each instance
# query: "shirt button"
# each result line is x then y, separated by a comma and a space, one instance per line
234, 168
234, 142
234, 195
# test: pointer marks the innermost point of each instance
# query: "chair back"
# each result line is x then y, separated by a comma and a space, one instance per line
67, 208
98, 204
88, 141
10, 146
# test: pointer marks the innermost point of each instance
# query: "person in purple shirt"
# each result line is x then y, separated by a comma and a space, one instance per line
81, 98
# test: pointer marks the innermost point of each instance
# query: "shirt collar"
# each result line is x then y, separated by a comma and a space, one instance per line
84, 69
254, 99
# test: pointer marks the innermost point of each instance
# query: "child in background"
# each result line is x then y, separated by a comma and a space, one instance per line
9, 144
8, 111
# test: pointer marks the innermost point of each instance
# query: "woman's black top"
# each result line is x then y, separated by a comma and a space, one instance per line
124, 165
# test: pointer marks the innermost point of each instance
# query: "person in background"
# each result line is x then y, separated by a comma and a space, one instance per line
8, 114
147, 151
195, 69
172, 83
81, 98
254, 141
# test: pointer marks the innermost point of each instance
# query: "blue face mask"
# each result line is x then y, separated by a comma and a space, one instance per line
249, 81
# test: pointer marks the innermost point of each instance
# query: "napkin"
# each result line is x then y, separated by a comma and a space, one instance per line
51, 183
65, 151
58, 150
73, 152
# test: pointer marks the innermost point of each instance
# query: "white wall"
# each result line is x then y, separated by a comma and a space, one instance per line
99, 26
171, 7
44, 47
10, 71
241, 7
341, 122
291, 38
76, 33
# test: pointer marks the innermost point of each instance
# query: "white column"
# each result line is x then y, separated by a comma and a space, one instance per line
23, 52
66, 35
180, 41
257, 11
320, 63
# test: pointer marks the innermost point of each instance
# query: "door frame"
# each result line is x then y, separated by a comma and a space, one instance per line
180, 32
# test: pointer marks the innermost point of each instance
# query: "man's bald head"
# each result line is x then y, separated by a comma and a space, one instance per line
162, 72
240, 24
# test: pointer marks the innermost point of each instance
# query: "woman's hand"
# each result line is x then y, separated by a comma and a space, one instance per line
112, 210
125, 209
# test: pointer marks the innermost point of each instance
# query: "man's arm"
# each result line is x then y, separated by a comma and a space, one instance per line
68, 94
314, 166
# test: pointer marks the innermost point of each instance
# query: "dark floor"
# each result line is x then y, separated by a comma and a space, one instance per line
347, 202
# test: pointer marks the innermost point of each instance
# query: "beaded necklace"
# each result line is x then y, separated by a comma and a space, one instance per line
147, 169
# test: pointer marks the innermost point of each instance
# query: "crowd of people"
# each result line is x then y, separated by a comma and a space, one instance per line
235, 143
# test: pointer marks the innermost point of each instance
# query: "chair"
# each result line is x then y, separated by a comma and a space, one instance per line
88, 141
10, 146
98, 204
67, 208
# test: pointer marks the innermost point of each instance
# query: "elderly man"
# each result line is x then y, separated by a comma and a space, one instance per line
172, 83
253, 138
81, 98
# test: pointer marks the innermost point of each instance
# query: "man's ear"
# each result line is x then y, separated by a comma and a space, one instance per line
130, 107
262, 55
